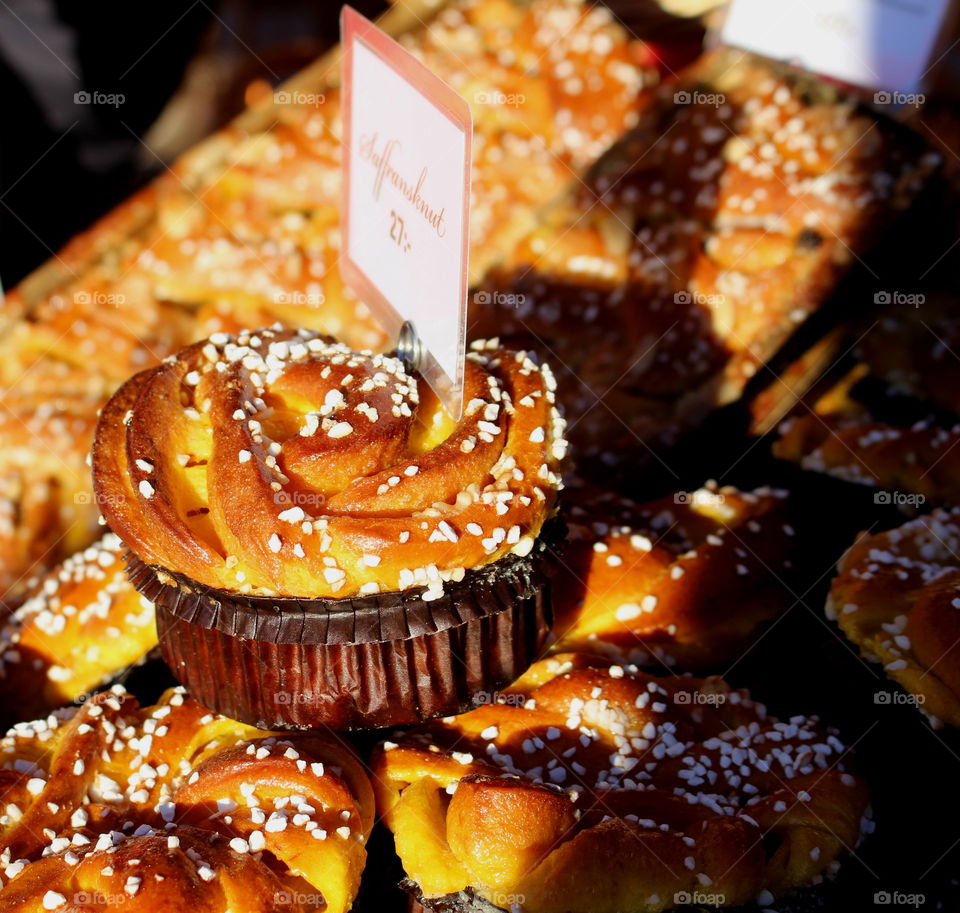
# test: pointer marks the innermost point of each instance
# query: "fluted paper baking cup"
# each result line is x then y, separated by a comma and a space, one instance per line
355, 663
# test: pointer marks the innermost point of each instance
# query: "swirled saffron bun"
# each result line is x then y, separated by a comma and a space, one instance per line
897, 597
281, 462
588, 787
171, 807
688, 580
324, 544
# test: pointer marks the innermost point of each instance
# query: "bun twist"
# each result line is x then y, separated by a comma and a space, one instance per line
282, 462
895, 596
222, 810
684, 580
677, 785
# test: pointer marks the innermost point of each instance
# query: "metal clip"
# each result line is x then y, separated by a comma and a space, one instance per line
410, 348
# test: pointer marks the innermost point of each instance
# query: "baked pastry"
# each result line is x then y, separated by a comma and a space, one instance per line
697, 245
686, 580
80, 626
116, 806
314, 519
595, 787
895, 596
46, 507
912, 465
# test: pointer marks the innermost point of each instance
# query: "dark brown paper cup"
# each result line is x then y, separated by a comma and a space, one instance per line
356, 663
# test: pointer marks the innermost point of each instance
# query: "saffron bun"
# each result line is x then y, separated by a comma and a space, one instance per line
282, 463
325, 545
582, 768
78, 628
895, 596
150, 808
685, 581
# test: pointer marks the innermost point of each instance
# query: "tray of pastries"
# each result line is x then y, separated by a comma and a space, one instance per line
667, 619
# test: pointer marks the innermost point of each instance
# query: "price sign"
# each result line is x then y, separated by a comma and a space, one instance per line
878, 44
406, 198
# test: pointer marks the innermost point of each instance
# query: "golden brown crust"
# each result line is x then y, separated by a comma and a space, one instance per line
895, 596
79, 627
922, 461
584, 769
281, 462
112, 794
685, 580
697, 245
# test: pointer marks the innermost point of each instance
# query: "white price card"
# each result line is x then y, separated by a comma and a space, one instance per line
877, 44
407, 140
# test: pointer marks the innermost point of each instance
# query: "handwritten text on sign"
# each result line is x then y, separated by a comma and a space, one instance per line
407, 138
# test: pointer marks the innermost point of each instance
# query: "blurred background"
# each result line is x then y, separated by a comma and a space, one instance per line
102, 96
